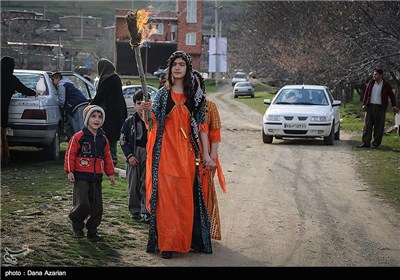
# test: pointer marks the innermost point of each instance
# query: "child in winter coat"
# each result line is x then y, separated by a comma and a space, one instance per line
86, 158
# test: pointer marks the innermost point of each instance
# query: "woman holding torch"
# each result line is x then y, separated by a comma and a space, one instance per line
179, 221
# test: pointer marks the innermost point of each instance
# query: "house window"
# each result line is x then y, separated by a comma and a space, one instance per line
191, 39
191, 15
159, 28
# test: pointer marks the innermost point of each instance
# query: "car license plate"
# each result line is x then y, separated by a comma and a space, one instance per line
9, 131
295, 125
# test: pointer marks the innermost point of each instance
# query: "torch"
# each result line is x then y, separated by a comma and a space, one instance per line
137, 27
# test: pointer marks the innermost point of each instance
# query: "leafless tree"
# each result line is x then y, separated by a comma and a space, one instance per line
337, 43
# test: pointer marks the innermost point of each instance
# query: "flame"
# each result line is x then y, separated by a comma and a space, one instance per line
141, 21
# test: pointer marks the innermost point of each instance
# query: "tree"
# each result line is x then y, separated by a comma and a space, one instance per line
333, 43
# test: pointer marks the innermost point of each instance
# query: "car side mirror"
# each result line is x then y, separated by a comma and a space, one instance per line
336, 103
267, 101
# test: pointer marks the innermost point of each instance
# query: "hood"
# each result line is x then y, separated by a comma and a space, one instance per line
7, 65
298, 110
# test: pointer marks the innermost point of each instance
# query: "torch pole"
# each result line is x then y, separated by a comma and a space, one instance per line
142, 77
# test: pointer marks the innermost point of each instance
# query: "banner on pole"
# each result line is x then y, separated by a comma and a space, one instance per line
221, 55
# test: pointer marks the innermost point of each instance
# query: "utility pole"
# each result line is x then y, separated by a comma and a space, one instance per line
81, 25
216, 44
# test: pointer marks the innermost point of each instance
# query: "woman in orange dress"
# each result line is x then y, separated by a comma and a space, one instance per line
213, 122
178, 216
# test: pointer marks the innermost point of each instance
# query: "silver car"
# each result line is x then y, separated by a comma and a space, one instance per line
38, 121
128, 92
239, 77
243, 89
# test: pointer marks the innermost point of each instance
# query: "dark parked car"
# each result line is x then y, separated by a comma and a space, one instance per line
162, 70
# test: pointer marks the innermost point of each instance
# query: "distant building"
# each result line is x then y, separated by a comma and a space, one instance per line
82, 26
175, 30
25, 36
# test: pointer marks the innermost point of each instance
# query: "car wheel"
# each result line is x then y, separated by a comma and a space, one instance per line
252, 96
236, 96
267, 139
337, 134
328, 140
52, 151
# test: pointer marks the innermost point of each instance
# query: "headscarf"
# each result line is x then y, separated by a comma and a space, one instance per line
201, 79
188, 81
105, 69
7, 65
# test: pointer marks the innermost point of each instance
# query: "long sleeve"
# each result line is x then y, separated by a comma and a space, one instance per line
108, 164
20, 87
61, 94
70, 154
124, 138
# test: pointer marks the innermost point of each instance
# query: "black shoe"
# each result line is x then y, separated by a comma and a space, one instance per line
95, 238
136, 216
145, 218
78, 233
166, 254
375, 146
363, 145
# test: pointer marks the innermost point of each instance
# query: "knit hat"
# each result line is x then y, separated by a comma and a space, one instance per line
89, 110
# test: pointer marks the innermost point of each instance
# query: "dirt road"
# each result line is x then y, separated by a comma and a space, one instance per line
293, 203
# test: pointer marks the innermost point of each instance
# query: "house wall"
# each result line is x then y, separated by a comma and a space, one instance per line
161, 46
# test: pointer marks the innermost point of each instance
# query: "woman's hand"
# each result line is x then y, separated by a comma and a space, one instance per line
146, 105
207, 161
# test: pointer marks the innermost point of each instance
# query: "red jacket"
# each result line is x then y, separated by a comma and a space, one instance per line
88, 156
386, 92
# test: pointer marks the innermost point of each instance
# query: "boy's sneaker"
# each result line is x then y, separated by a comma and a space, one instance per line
95, 238
78, 233
145, 218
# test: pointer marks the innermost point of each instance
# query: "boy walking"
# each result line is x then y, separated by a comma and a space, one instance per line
133, 140
86, 158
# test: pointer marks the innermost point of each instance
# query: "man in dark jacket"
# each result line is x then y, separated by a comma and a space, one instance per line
109, 96
71, 100
375, 103
9, 84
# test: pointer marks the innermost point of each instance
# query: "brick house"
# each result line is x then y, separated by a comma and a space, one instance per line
175, 30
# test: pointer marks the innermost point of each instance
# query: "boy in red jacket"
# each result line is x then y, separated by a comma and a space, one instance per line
86, 158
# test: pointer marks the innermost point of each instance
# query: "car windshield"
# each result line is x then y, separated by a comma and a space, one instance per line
129, 91
302, 97
240, 76
33, 81
242, 84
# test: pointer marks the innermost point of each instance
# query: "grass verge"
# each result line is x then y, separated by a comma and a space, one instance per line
35, 201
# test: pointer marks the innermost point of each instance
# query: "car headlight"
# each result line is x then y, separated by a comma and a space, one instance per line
319, 119
273, 118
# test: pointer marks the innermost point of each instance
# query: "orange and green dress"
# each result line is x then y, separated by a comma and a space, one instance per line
178, 216
213, 122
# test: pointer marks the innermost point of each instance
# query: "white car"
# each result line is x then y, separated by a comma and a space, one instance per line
243, 89
239, 77
128, 92
307, 111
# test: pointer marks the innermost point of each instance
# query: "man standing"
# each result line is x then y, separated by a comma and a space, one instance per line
9, 84
375, 103
72, 100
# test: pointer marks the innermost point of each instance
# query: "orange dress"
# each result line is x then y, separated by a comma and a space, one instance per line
213, 122
176, 175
